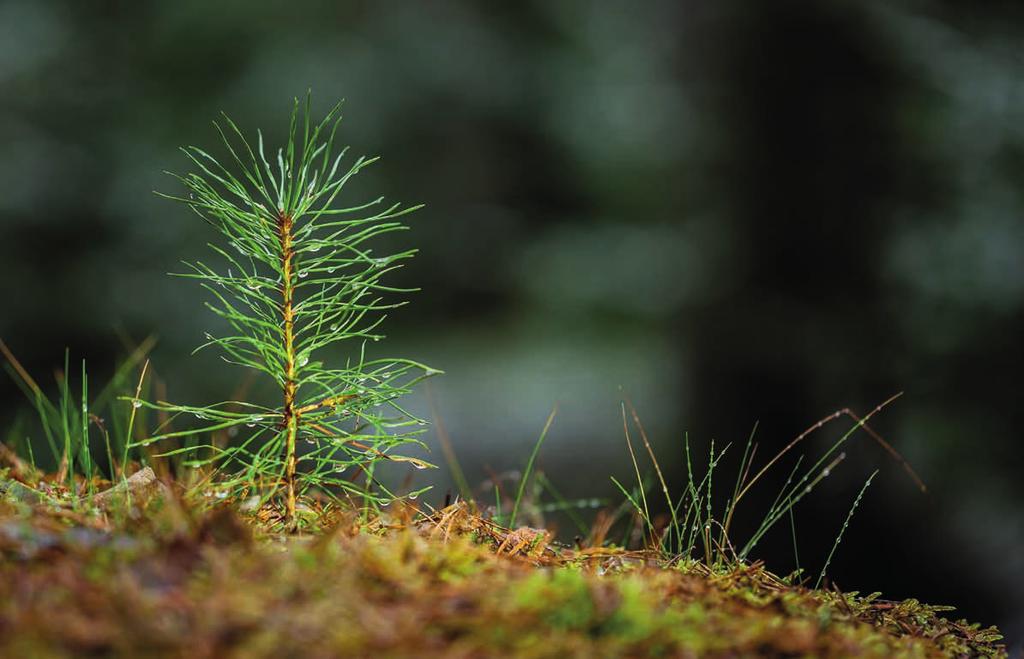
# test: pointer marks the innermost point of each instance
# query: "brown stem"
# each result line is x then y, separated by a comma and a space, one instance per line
284, 226
862, 423
333, 401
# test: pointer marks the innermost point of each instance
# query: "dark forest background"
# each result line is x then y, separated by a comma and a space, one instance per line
735, 212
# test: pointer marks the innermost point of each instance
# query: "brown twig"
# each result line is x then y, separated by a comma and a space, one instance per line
799, 438
22, 373
333, 401
284, 226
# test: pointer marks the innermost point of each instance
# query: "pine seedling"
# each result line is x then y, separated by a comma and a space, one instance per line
295, 275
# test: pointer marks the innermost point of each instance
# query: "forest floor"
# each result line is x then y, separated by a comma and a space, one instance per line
163, 577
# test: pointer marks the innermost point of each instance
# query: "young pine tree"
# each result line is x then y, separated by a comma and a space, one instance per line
295, 275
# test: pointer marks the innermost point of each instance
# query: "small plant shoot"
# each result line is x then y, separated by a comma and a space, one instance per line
294, 274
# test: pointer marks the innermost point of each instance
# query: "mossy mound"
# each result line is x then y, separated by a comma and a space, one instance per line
170, 581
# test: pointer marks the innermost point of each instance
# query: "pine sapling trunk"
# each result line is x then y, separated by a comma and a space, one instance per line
290, 421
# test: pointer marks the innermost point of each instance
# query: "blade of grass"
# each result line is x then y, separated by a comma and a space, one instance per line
802, 487
657, 467
797, 493
792, 527
741, 476
529, 467
707, 522
636, 470
110, 452
68, 461
22, 373
86, 453
799, 438
447, 449
31, 454
846, 523
564, 505
633, 502
47, 412
136, 404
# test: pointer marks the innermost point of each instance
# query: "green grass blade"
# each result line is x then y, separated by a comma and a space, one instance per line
529, 467
846, 523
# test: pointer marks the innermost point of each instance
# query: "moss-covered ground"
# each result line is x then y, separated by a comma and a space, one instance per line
169, 578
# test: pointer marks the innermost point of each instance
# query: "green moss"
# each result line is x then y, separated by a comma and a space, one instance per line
173, 584
559, 598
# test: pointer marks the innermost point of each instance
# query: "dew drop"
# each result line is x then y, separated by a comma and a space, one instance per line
191, 196
136, 403
414, 496
303, 274
826, 472
315, 247
419, 465
303, 361
253, 284
334, 327
222, 495
330, 270
376, 338
250, 425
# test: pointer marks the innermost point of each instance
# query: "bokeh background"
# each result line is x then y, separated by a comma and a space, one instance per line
732, 212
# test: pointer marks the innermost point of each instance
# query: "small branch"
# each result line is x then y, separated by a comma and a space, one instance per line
334, 401
415, 462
